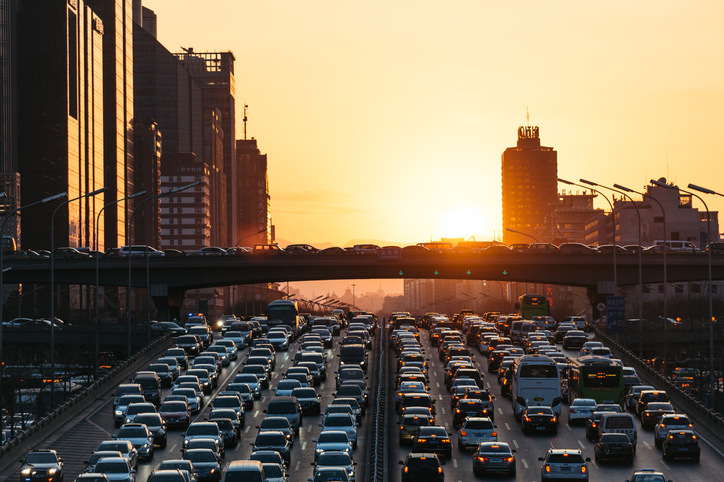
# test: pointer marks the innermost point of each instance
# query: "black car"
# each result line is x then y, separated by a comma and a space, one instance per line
614, 447
593, 421
433, 439
494, 457
273, 440
680, 444
574, 339
468, 407
206, 464
539, 419
156, 425
308, 399
422, 467
43, 465
160, 328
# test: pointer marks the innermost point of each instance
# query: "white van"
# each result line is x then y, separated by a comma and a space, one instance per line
679, 246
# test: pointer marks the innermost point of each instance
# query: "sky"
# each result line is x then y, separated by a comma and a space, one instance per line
386, 120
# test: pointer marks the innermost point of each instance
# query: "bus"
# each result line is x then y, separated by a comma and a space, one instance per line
596, 377
284, 312
535, 381
533, 305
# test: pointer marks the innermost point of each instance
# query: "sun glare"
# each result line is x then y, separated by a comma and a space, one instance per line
463, 222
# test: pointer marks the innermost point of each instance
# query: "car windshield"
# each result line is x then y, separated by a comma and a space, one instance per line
341, 421
478, 424
150, 420
131, 432
173, 407
40, 458
201, 456
493, 447
304, 393
340, 459
417, 462
281, 407
433, 431
112, 466
275, 423
205, 429
331, 437
270, 439
565, 459
614, 438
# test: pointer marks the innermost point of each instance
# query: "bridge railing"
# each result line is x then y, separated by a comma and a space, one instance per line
377, 461
679, 396
39, 424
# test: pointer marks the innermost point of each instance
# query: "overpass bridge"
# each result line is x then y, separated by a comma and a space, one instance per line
171, 276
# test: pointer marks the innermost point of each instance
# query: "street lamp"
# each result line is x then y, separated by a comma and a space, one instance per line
711, 307
613, 220
52, 289
524, 234
98, 323
666, 287
641, 289
148, 267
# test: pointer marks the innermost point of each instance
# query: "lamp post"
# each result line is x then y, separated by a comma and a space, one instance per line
613, 220
52, 289
98, 323
641, 290
2, 269
712, 379
148, 265
666, 287
524, 234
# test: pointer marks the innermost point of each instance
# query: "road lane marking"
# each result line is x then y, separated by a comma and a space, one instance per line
710, 445
664, 464
256, 413
437, 384
507, 426
246, 430
263, 400
173, 448
488, 385
440, 397
525, 464
443, 410
455, 463
647, 444
581, 444
594, 464
500, 410
304, 446
569, 427
515, 442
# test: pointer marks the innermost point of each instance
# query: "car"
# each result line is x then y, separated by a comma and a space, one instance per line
647, 396
632, 396
117, 469
203, 430
140, 436
595, 418
156, 425
273, 440
679, 444
332, 440
574, 339
539, 419
647, 475
205, 443
474, 431
179, 464
192, 397
44, 464
422, 467
341, 422
335, 458
674, 421
232, 403
92, 477
275, 473
138, 408
328, 474
494, 457
123, 446
162, 327
564, 464
119, 413
308, 399
468, 407
614, 447
278, 424
252, 380
90, 464
175, 413
653, 413
580, 409
285, 387
433, 439
206, 464
169, 476
180, 355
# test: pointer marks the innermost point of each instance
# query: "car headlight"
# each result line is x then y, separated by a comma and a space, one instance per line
25, 471
52, 471
118, 413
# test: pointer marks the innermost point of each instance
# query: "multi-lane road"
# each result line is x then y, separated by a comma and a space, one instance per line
77, 439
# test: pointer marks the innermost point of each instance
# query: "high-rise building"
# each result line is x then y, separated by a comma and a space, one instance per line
9, 177
147, 157
60, 124
118, 113
253, 192
214, 73
530, 186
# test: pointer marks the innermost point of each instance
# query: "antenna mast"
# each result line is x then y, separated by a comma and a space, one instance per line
245, 119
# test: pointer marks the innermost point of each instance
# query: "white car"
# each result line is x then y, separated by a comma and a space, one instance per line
343, 422
476, 430
580, 410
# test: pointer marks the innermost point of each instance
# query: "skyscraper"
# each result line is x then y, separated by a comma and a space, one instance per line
530, 177
253, 192
118, 113
214, 73
60, 123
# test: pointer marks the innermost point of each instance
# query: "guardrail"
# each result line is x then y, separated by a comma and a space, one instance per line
378, 444
683, 398
53, 415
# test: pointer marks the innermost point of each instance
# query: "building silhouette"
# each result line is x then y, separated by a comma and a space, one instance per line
253, 192
60, 125
530, 186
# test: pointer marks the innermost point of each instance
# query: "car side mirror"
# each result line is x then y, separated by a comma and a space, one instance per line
541, 459
401, 462
588, 459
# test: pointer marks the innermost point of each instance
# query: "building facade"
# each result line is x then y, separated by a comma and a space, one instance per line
530, 186
147, 158
60, 126
253, 192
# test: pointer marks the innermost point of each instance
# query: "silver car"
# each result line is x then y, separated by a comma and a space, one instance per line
564, 464
474, 431
580, 410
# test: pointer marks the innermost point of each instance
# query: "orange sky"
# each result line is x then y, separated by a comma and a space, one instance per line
387, 120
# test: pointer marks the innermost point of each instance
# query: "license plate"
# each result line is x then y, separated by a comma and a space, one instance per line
565, 469
683, 449
540, 428
496, 460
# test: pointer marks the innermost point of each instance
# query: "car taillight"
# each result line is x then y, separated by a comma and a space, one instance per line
464, 433
548, 469
571, 410
402, 427
494, 434
527, 419
406, 469
439, 470
583, 469
482, 459
553, 419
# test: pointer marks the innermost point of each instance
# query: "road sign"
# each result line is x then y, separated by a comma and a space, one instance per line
601, 307
616, 313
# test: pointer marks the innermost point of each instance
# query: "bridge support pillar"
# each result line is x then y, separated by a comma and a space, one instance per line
594, 298
168, 302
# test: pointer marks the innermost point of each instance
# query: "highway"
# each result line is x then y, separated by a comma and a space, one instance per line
76, 440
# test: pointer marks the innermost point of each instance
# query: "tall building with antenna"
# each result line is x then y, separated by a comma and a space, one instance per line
529, 186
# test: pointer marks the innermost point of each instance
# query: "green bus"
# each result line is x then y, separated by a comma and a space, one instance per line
596, 377
533, 305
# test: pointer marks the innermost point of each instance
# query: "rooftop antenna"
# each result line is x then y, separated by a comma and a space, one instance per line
245, 119
527, 116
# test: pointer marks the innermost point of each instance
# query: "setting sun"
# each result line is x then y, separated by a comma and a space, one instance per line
464, 222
